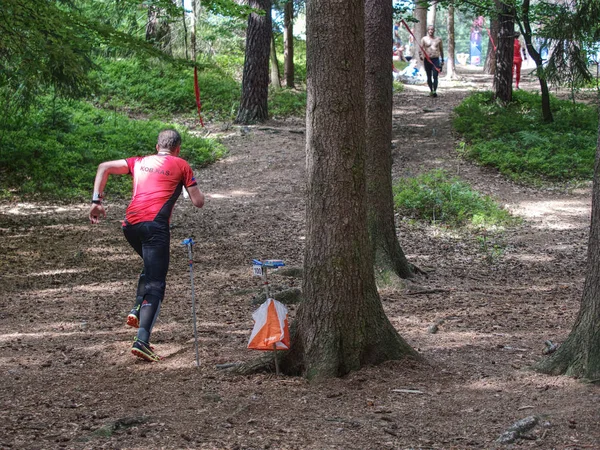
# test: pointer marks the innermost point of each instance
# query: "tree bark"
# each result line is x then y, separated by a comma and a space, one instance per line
275, 77
341, 325
157, 30
432, 13
420, 28
255, 79
539, 64
579, 355
504, 54
387, 252
288, 44
490, 58
451, 56
152, 23
194, 30
185, 33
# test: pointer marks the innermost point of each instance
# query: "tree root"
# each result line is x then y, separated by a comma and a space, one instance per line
263, 364
418, 271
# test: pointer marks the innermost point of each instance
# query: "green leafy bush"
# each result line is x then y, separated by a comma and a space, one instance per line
55, 150
286, 102
436, 197
162, 89
515, 140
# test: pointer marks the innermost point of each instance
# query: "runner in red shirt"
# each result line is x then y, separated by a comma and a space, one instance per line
157, 182
517, 59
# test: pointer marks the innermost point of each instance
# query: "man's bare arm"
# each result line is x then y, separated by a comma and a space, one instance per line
196, 196
116, 167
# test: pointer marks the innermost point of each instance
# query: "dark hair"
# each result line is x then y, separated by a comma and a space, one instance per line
169, 140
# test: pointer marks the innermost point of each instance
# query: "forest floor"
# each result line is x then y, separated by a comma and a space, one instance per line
68, 380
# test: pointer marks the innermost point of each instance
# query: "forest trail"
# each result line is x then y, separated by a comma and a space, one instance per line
68, 380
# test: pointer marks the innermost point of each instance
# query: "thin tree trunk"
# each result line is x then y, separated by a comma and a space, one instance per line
158, 31
341, 325
388, 254
537, 58
288, 44
490, 58
275, 77
183, 22
579, 355
504, 55
152, 25
451, 56
255, 80
194, 29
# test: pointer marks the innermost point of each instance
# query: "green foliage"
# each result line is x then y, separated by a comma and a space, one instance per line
439, 198
41, 47
572, 31
162, 89
397, 87
55, 151
286, 102
515, 140
49, 45
300, 60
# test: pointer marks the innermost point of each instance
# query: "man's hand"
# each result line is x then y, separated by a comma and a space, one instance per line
97, 211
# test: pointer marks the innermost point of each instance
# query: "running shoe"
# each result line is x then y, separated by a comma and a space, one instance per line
144, 351
133, 319
434, 94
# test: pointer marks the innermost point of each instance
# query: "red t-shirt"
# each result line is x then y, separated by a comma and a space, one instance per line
157, 183
517, 51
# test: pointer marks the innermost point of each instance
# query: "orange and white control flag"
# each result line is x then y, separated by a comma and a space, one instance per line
271, 330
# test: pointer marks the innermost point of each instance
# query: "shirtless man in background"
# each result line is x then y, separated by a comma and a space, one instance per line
433, 47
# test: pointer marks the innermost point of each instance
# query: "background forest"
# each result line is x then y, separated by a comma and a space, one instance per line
94, 80
486, 187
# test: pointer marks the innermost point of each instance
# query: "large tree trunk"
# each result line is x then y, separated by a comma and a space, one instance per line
389, 256
255, 80
341, 325
490, 58
451, 57
504, 54
275, 77
288, 43
432, 13
537, 58
579, 355
420, 28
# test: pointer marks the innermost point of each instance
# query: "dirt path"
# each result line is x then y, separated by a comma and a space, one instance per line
68, 380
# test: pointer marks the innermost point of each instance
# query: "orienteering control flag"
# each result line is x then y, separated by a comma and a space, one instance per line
271, 329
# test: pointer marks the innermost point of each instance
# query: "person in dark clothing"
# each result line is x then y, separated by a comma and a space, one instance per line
157, 183
434, 60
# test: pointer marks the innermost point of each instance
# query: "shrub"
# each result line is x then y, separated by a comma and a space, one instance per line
286, 102
55, 151
515, 140
436, 197
161, 89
